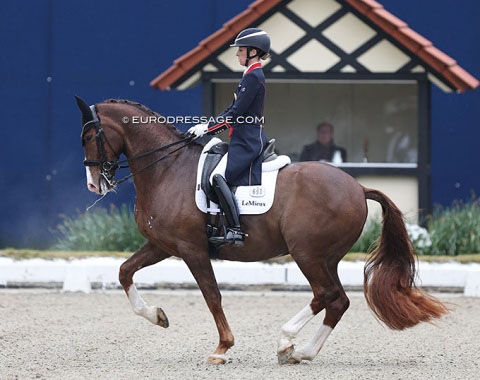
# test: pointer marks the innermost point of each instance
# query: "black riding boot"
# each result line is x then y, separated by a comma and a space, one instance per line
229, 206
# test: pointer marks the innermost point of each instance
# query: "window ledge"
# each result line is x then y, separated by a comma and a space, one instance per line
376, 165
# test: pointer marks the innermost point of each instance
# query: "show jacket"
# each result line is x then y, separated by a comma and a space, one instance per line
245, 117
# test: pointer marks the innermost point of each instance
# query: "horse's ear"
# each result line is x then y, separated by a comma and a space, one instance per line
85, 109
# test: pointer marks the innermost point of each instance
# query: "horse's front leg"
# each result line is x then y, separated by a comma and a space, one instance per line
202, 270
147, 255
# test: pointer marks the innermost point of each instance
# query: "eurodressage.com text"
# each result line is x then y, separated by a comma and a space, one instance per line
192, 119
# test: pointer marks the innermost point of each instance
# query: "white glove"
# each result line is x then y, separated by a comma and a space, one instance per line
198, 130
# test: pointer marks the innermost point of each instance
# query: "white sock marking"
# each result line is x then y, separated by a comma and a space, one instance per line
312, 348
218, 356
291, 329
140, 307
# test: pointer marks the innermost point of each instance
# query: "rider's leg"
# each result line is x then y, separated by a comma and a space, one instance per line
227, 200
229, 205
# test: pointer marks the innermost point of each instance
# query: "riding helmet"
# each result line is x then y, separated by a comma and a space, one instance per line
254, 38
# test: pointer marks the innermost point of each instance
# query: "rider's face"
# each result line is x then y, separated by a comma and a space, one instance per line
242, 55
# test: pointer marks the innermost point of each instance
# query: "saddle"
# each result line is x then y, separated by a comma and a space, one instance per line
213, 158
251, 200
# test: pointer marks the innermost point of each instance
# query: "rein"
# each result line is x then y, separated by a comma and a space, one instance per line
189, 139
107, 167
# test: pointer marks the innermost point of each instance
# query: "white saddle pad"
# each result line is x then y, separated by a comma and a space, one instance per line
250, 199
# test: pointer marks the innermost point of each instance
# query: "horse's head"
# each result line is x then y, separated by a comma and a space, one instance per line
102, 147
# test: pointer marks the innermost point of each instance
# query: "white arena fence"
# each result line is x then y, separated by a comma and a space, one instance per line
79, 274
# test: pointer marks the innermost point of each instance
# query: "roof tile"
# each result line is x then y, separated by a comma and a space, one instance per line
392, 19
436, 58
372, 3
386, 20
411, 39
461, 78
217, 39
242, 20
262, 6
190, 59
362, 6
164, 80
359, 5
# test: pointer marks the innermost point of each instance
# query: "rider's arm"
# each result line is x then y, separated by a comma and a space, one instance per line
227, 110
248, 90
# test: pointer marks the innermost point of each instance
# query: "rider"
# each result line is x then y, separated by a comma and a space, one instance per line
245, 118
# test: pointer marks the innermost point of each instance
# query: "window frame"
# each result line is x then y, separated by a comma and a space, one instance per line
422, 171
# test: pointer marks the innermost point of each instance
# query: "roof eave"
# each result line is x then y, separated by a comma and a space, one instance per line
443, 64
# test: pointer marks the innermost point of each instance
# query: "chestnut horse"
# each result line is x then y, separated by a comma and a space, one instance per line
318, 213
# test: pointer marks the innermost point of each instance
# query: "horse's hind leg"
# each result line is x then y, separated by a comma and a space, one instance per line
336, 303
147, 255
328, 293
321, 282
290, 330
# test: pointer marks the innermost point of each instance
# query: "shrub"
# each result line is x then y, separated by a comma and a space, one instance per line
99, 230
451, 231
455, 230
370, 233
419, 236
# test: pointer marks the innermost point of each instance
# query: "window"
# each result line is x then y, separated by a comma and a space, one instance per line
373, 121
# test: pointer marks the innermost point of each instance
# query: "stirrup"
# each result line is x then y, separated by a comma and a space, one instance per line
231, 236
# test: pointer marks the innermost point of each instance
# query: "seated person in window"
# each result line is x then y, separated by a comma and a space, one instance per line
324, 149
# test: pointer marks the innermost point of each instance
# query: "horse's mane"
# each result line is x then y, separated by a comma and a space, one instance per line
147, 110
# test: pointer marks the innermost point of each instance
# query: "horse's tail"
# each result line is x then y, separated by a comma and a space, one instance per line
389, 274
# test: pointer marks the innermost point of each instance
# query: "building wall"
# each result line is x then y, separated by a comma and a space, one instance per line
455, 117
403, 191
52, 50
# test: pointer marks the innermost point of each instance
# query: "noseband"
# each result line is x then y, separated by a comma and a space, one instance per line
107, 168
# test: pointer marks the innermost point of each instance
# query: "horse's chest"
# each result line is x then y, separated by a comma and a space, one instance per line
145, 224
145, 221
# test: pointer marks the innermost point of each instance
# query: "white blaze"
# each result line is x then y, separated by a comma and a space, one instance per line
89, 176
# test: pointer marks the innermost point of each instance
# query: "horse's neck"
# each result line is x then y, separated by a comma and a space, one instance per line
140, 138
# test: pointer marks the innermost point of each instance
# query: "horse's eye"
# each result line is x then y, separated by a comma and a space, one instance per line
89, 138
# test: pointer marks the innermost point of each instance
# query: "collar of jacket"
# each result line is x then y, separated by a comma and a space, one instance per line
253, 66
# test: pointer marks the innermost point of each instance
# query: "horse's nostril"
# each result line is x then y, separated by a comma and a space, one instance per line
92, 187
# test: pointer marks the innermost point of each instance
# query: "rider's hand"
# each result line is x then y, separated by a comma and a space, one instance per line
198, 130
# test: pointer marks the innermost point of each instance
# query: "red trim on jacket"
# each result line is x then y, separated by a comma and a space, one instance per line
253, 67
219, 125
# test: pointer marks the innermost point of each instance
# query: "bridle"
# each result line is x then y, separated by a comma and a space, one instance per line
107, 167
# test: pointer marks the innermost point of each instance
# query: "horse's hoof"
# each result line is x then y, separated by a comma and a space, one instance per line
285, 355
294, 360
217, 359
162, 319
